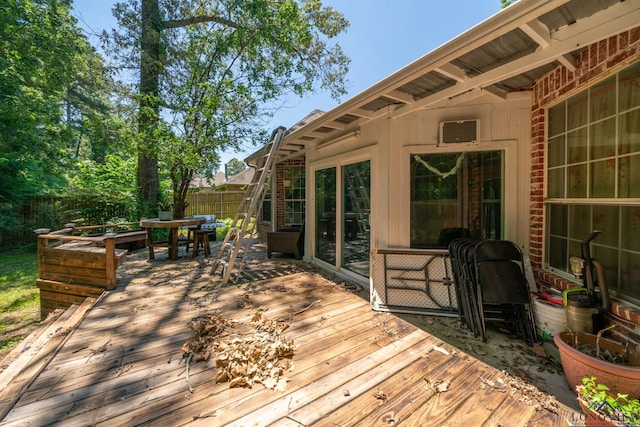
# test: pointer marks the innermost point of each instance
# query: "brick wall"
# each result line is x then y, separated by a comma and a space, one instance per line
598, 60
278, 197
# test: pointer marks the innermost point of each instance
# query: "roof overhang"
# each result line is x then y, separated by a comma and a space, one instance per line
504, 54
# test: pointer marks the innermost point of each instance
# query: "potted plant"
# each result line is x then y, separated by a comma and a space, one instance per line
601, 407
164, 209
616, 365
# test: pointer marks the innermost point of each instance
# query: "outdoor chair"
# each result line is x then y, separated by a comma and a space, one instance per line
447, 235
462, 263
502, 290
287, 241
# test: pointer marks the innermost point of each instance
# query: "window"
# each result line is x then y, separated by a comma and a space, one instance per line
356, 208
455, 194
267, 202
593, 179
294, 195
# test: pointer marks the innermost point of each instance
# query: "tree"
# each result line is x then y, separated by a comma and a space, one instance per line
49, 88
234, 166
208, 71
505, 3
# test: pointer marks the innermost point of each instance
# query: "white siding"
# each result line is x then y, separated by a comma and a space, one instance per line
503, 124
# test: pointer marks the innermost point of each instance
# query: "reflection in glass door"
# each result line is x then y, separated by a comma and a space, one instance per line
325, 192
356, 207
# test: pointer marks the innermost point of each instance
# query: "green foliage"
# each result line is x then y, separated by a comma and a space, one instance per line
620, 408
235, 166
165, 203
505, 3
55, 103
212, 71
107, 188
19, 300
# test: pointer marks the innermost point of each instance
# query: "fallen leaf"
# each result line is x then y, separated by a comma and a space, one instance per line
379, 394
538, 350
443, 386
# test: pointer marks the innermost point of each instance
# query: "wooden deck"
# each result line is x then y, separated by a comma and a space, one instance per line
123, 364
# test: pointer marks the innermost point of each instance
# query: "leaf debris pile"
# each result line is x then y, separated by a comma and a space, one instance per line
522, 391
262, 354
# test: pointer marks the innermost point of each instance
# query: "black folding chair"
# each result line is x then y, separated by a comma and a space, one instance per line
448, 235
461, 254
502, 290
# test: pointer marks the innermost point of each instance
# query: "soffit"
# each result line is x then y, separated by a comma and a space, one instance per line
506, 53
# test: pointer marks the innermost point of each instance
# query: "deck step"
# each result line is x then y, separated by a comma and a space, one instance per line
35, 352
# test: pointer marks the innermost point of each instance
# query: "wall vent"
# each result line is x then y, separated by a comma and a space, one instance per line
458, 132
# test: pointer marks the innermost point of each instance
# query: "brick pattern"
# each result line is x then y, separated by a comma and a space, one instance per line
278, 197
596, 61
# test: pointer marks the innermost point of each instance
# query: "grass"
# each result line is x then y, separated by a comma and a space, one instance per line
19, 297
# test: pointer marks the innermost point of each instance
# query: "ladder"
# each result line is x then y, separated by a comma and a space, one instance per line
358, 194
243, 226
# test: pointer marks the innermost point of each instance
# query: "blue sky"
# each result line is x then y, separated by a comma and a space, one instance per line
383, 36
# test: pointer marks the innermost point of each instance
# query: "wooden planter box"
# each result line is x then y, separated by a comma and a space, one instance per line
72, 268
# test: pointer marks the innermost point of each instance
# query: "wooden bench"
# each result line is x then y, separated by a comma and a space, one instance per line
126, 237
72, 268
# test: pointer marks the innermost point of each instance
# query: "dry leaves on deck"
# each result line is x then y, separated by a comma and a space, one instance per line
257, 353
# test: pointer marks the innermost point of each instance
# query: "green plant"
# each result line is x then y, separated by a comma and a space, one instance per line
620, 408
165, 204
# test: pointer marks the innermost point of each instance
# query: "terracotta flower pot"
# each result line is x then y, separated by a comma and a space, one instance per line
624, 379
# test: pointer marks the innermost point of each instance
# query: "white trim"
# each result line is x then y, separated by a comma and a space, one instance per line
367, 153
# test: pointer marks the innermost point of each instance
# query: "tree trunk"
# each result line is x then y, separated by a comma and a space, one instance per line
149, 105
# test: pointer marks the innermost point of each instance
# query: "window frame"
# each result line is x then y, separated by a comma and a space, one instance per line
551, 168
288, 201
510, 161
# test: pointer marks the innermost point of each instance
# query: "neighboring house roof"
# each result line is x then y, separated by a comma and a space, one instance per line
199, 181
506, 53
243, 177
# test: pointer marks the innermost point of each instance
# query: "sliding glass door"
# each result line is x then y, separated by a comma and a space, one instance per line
325, 189
342, 209
356, 207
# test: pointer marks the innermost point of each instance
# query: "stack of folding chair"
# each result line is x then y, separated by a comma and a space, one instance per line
462, 265
492, 285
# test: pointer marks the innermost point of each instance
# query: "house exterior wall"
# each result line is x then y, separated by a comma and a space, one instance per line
515, 124
503, 126
596, 62
389, 142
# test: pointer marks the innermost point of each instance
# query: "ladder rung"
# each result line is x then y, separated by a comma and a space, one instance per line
250, 205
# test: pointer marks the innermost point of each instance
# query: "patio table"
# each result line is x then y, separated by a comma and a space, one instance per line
172, 225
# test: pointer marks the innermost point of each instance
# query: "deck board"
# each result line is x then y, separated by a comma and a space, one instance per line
200, 403
360, 400
123, 364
